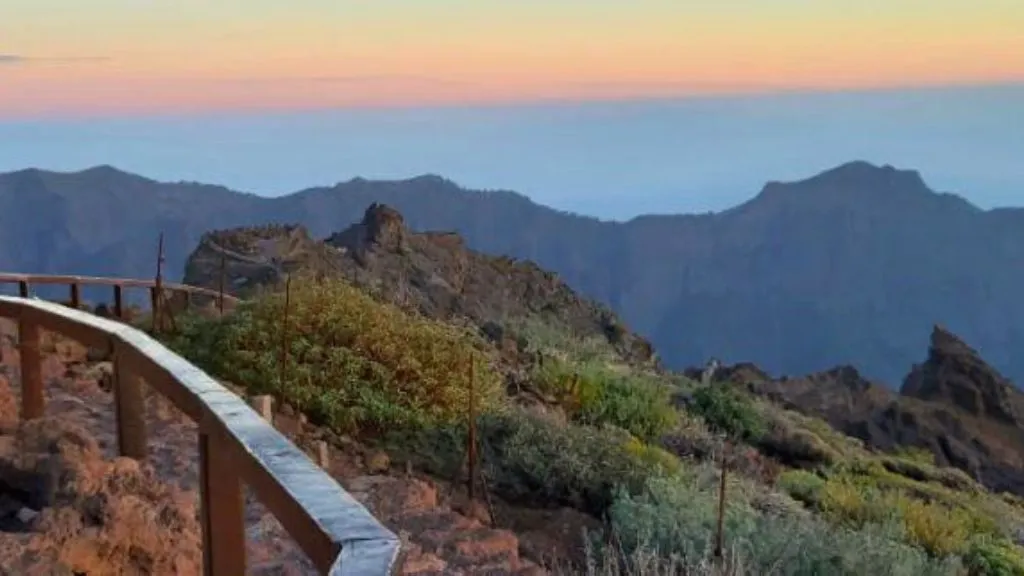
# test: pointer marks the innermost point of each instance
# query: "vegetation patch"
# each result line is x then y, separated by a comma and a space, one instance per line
727, 410
677, 517
594, 394
538, 462
353, 363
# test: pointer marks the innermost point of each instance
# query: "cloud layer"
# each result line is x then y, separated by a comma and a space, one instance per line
23, 59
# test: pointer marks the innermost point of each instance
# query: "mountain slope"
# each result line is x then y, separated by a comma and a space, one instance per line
432, 272
953, 404
847, 267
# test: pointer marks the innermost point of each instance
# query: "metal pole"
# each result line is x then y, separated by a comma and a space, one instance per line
158, 284
471, 449
284, 326
719, 536
220, 289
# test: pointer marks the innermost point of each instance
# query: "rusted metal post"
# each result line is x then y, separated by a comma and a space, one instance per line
118, 302
284, 327
719, 533
154, 306
33, 402
156, 294
222, 507
220, 287
471, 440
76, 299
130, 408
23, 289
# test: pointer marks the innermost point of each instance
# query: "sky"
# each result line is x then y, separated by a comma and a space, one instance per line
67, 57
600, 107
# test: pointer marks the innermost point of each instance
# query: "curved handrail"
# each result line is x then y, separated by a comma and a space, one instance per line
236, 445
14, 278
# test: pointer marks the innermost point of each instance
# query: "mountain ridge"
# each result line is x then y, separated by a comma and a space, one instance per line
862, 171
794, 285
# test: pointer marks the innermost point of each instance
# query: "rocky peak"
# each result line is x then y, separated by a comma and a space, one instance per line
384, 225
381, 227
861, 174
853, 181
955, 374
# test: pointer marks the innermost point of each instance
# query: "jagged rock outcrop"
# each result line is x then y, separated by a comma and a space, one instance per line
250, 257
953, 404
955, 374
432, 272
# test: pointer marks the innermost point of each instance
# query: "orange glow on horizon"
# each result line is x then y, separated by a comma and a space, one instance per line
139, 58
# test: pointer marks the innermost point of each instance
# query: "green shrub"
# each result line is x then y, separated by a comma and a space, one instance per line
802, 485
596, 395
848, 503
353, 362
728, 411
923, 472
988, 557
936, 528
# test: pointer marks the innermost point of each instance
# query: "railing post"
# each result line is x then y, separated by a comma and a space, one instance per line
130, 407
222, 507
76, 300
33, 402
118, 302
23, 289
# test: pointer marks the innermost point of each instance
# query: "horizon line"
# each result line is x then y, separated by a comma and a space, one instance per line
513, 102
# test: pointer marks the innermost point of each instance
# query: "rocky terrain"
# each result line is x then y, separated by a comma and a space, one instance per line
434, 273
953, 404
69, 506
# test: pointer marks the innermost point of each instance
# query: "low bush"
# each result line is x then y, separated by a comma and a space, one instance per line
939, 530
988, 557
916, 469
802, 485
353, 363
597, 395
728, 411
793, 444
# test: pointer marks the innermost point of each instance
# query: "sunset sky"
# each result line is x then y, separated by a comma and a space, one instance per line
124, 57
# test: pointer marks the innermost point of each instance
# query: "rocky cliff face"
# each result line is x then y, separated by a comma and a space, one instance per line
432, 272
953, 404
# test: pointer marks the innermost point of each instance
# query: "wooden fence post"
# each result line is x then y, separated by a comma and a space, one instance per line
130, 407
222, 507
33, 401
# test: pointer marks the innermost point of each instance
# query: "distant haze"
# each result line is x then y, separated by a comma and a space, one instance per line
607, 159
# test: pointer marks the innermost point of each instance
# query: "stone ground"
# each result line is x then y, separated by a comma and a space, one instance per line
69, 506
